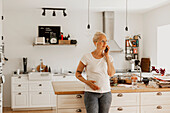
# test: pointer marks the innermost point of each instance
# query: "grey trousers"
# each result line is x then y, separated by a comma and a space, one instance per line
97, 102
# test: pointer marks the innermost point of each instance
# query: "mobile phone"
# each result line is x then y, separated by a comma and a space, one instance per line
106, 50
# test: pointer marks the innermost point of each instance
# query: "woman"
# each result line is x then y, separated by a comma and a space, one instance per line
99, 68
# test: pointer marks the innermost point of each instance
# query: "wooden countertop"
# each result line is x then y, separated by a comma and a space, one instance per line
76, 87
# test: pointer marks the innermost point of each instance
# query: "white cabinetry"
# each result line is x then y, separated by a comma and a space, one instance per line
70, 103
125, 103
19, 93
155, 102
121, 102
31, 94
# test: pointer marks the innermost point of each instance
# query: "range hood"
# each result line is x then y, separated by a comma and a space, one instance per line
108, 29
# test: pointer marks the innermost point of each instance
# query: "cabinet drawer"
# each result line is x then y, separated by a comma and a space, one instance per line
125, 99
40, 99
155, 98
124, 109
79, 110
19, 99
71, 101
19, 87
40, 86
156, 109
65, 78
19, 79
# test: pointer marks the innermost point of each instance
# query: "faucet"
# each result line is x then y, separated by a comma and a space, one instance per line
140, 75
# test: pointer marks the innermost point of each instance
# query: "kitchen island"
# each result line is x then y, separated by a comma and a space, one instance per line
70, 99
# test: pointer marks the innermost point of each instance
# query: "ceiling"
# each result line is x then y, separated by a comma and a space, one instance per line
139, 6
133, 5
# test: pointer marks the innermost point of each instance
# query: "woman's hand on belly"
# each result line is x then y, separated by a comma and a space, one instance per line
91, 84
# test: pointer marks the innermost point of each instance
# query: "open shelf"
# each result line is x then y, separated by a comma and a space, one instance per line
53, 45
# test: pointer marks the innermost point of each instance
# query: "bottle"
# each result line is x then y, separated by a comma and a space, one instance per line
49, 70
61, 36
41, 65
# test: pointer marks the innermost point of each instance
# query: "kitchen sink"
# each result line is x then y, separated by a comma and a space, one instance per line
39, 76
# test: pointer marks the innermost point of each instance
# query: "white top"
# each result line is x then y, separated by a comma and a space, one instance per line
96, 69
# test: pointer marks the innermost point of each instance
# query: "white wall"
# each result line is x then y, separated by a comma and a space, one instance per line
163, 39
22, 18
152, 20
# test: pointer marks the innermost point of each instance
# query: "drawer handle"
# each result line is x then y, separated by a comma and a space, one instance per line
19, 85
79, 96
120, 109
120, 95
19, 77
40, 84
78, 110
19, 93
159, 107
159, 93
40, 92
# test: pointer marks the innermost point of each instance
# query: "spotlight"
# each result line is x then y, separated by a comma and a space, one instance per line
43, 12
64, 13
54, 13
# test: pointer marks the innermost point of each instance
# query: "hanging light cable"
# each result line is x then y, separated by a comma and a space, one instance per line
88, 26
126, 28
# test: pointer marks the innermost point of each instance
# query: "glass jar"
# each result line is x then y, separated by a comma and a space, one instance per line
134, 81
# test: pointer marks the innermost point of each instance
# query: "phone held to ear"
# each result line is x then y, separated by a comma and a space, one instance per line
106, 50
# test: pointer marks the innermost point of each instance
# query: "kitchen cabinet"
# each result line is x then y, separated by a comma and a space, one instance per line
155, 102
124, 109
155, 109
124, 100
121, 102
71, 101
19, 92
72, 110
68, 103
31, 94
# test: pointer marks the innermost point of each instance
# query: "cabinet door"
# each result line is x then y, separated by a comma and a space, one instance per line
53, 99
156, 109
125, 99
19, 99
124, 109
40, 99
71, 101
72, 110
155, 98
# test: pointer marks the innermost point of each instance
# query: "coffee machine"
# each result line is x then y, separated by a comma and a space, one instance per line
134, 65
25, 65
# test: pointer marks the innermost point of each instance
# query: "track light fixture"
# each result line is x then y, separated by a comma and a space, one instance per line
43, 12
54, 13
64, 13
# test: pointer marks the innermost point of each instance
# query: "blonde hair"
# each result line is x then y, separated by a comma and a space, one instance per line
97, 35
